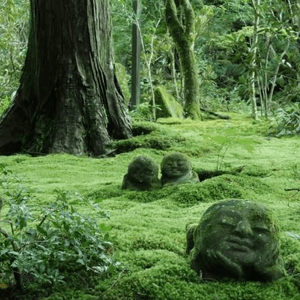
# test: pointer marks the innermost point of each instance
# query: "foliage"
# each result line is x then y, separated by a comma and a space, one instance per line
287, 120
44, 245
142, 112
14, 21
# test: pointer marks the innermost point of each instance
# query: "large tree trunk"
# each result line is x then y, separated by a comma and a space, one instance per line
69, 99
183, 36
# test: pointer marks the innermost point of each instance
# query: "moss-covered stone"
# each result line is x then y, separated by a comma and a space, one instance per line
176, 168
169, 107
142, 175
236, 239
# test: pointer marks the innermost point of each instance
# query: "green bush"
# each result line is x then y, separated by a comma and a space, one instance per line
287, 120
47, 245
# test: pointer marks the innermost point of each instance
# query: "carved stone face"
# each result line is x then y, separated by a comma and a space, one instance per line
142, 169
238, 239
142, 174
175, 165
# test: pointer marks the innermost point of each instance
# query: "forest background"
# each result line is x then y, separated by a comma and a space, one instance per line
246, 51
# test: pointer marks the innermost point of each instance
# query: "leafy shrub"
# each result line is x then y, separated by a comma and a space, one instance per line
47, 245
287, 120
142, 112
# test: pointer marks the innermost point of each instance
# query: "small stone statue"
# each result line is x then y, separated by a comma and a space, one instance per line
235, 239
176, 169
142, 175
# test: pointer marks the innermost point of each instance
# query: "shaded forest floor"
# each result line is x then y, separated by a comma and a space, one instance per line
148, 228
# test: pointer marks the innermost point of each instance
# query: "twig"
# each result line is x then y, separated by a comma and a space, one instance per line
119, 277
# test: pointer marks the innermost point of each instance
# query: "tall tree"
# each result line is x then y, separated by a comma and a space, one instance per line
182, 30
69, 99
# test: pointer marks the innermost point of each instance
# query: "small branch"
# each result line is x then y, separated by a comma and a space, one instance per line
43, 220
293, 189
119, 277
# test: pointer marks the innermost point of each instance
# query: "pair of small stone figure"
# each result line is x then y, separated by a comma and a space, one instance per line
143, 172
236, 239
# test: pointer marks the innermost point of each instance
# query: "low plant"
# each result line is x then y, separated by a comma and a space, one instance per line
287, 120
45, 245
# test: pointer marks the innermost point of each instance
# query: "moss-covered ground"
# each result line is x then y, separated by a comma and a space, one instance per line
148, 228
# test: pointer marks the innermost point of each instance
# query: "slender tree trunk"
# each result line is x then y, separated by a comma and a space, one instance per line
69, 99
173, 72
255, 3
274, 79
136, 55
183, 36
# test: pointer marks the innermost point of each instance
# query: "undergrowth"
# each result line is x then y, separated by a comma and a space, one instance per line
147, 229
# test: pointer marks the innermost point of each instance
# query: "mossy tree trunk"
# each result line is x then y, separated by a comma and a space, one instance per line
69, 99
183, 34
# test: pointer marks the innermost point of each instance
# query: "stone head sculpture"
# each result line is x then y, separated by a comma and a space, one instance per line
176, 168
142, 174
236, 239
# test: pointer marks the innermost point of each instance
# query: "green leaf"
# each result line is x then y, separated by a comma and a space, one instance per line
80, 261
42, 268
41, 230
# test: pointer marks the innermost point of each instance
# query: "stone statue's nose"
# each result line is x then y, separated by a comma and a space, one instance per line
243, 227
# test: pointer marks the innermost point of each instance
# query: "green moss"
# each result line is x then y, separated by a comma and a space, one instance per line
255, 170
142, 128
175, 281
169, 107
156, 139
218, 188
149, 227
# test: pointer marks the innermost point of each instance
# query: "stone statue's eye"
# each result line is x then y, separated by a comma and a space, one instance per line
261, 229
227, 222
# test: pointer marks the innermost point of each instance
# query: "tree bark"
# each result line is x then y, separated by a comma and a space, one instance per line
184, 36
69, 99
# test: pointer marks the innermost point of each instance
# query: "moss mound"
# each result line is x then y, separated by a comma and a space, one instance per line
154, 138
174, 280
218, 188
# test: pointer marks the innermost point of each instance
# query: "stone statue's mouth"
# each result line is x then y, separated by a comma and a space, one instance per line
239, 244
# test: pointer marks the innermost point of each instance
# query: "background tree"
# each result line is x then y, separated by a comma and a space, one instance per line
69, 99
223, 43
181, 24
